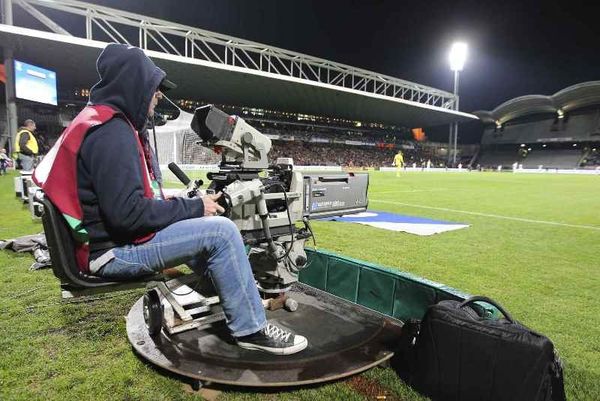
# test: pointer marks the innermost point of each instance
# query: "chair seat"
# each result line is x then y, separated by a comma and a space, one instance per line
62, 253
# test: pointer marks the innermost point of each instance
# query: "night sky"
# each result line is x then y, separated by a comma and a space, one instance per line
516, 48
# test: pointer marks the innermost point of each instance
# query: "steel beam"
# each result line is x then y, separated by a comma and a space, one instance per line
42, 18
232, 51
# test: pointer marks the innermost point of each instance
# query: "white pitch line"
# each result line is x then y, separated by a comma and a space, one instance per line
495, 216
416, 190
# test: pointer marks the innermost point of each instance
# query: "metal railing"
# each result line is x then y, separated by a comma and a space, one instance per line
107, 24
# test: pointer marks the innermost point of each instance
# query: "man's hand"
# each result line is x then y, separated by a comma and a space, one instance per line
211, 207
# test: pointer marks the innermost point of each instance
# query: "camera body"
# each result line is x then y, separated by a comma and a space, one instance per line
265, 202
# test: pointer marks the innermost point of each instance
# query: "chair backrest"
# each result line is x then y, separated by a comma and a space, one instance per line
62, 251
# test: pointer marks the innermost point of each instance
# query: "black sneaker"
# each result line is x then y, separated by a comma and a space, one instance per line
274, 340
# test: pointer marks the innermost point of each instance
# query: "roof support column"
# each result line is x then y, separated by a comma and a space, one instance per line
9, 86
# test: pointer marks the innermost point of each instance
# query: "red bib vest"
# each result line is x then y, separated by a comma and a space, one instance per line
57, 175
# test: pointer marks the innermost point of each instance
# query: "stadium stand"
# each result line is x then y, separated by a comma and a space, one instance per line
494, 158
343, 143
553, 158
307, 153
548, 131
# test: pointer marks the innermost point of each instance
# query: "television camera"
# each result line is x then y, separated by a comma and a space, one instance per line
265, 202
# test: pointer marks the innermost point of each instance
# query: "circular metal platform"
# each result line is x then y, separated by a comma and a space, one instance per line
344, 339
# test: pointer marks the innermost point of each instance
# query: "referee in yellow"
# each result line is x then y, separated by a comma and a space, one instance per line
398, 162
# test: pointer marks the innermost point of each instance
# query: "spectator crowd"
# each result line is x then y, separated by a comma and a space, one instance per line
323, 154
332, 154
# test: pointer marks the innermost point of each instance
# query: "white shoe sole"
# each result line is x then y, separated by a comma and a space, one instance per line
301, 343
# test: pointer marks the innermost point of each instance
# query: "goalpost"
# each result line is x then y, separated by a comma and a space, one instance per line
176, 142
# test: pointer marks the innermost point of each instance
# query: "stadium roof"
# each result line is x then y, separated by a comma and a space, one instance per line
73, 59
569, 99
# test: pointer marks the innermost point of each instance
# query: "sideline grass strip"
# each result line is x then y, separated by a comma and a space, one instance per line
547, 276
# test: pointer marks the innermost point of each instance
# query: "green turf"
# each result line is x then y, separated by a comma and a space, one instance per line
533, 246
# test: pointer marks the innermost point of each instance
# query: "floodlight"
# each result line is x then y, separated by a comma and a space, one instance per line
458, 56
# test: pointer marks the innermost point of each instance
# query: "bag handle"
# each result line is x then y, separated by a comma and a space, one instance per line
487, 300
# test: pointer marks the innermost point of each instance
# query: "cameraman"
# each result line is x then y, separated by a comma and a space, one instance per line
132, 230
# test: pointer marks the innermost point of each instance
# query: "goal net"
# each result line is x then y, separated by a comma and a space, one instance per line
176, 142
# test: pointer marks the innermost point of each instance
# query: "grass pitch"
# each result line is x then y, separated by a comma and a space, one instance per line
533, 245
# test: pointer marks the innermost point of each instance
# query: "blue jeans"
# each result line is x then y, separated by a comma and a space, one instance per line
211, 246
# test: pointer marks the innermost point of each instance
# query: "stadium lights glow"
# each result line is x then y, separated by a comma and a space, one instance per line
458, 56
544, 145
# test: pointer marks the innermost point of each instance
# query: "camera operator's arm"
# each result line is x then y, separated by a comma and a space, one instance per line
111, 157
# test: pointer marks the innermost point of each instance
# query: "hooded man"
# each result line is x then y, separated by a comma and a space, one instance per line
124, 223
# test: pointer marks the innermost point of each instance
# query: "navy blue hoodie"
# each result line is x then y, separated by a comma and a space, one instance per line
109, 175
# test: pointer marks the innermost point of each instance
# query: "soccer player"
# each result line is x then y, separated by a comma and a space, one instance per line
398, 162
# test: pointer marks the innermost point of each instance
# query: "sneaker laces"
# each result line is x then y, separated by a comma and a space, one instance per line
277, 333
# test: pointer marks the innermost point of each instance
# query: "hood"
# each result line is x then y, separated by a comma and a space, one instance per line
128, 80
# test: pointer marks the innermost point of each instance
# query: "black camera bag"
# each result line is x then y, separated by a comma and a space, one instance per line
460, 355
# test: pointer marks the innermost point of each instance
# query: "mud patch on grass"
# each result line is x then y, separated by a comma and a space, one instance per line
371, 389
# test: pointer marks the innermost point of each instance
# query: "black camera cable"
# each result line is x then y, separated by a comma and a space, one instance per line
306, 223
290, 224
